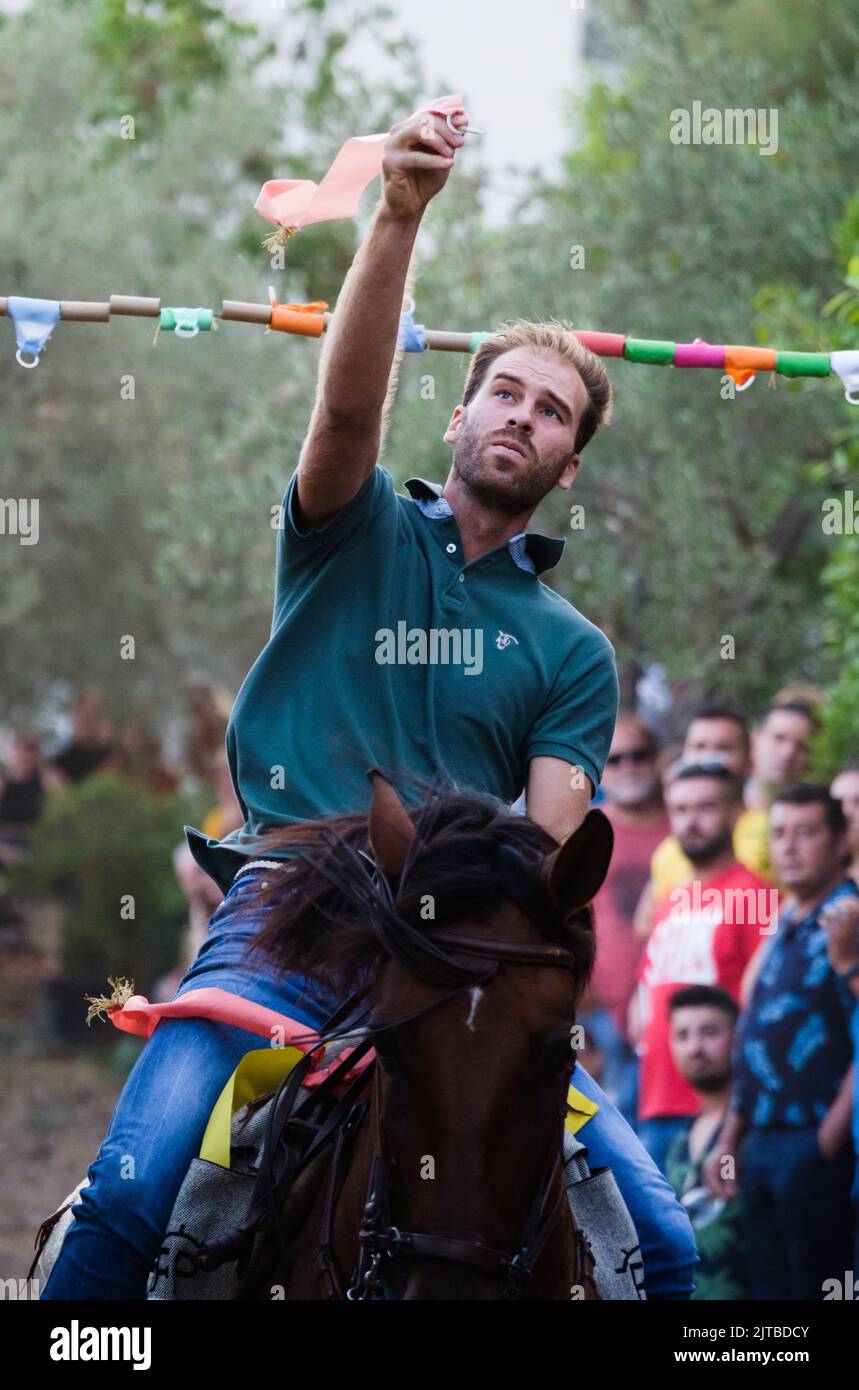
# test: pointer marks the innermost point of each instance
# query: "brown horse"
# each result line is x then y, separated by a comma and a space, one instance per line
469, 935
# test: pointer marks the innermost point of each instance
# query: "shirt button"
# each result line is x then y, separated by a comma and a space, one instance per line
461, 578
450, 548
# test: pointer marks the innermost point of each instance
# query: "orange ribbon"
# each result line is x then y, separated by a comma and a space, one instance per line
305, 319
741, 363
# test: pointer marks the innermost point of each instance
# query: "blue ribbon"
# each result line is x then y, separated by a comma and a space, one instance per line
34, 321
411, 334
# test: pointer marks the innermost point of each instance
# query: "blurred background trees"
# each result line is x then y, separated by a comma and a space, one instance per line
702, 513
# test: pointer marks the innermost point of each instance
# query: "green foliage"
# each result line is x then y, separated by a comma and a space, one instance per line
163, 50
96, 843
702, 513
703, 504
155, 511
839, 739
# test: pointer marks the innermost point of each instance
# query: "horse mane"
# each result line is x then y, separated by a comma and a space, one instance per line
326, 917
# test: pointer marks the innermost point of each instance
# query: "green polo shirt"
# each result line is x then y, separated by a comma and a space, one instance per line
387, 649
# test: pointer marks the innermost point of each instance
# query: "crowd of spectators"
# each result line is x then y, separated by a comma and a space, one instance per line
722, 1010
722, 1014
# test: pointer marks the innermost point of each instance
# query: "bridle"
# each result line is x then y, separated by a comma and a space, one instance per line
452, 963
381, 1243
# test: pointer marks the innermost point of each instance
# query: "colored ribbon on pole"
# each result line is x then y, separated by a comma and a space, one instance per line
185, 323
846, 365
295, 203
304, 319
411, 336
34, 320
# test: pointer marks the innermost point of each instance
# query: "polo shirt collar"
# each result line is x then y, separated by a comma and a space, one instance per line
545, 551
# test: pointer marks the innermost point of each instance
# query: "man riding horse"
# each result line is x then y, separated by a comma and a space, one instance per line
376, 594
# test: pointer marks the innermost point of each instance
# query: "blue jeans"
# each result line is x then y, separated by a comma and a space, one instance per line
664, 1230
797, 1214
161, 1116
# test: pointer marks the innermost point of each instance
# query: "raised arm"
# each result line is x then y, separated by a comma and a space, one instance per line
344, 437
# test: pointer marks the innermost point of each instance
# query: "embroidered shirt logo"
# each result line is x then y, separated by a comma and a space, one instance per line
504, 639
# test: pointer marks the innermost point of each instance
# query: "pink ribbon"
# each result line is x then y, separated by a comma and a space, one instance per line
299, 202
141, 1018
698, 354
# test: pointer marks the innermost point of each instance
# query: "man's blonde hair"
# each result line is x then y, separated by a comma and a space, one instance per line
548, 338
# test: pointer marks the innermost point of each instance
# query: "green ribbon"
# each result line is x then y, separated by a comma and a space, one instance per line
658, 353
802, 363
477, 338
186, 322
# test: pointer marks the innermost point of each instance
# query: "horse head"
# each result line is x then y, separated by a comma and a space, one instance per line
470, 932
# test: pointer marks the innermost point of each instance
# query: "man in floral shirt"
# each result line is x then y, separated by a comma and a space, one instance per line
786, 1140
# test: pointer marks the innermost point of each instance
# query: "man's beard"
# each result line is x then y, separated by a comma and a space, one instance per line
710, 1083
513, 494
707, 849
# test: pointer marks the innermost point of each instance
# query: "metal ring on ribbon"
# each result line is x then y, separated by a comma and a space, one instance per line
746, 384
463, 130
19, 359
186, 332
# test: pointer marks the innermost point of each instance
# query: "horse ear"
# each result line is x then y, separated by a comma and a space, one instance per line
390, 827
576, 869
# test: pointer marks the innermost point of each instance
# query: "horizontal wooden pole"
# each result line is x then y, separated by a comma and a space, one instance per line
240, 312
447, 342
135, 304
84, 311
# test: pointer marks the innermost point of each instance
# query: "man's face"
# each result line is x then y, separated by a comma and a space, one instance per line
630, 777
701, 816
515, 440
845, 789
781, 749
702, 1037
805, 853
717, 738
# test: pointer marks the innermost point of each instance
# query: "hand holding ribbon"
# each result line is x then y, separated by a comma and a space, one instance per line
417, 158
296, 203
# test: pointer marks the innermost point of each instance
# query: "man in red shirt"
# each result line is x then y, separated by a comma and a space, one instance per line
704, 933
633, 804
